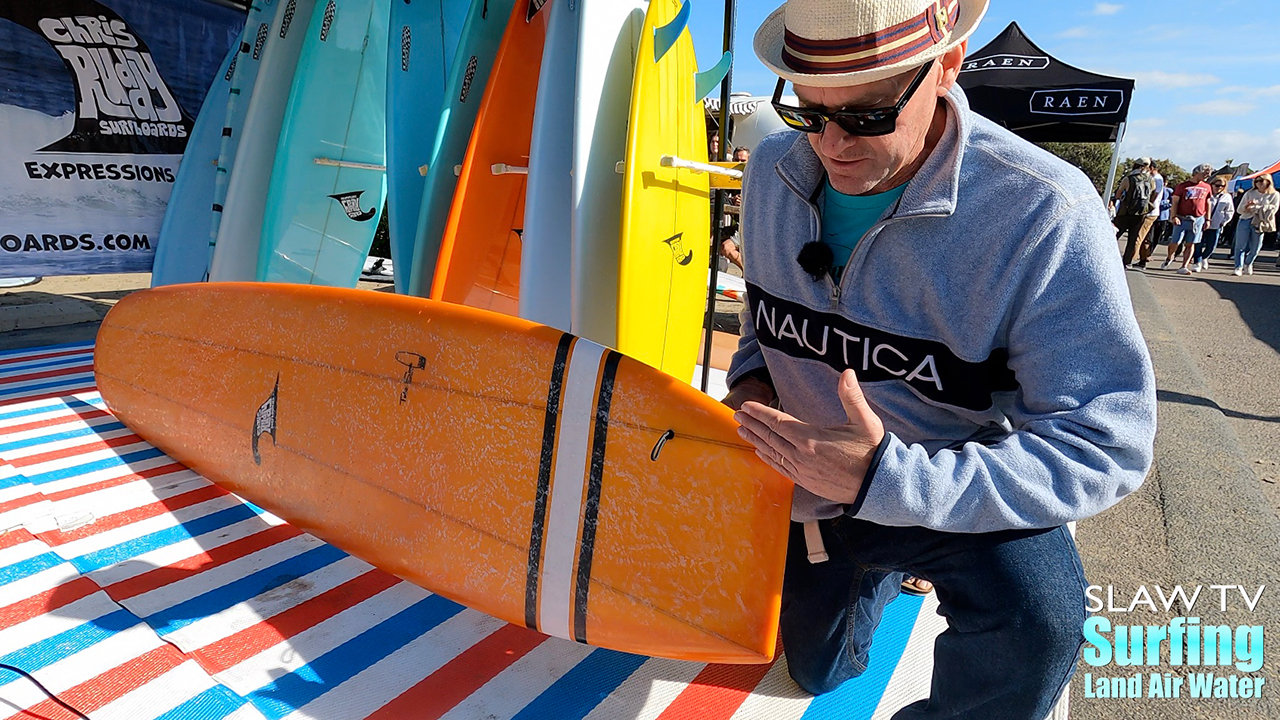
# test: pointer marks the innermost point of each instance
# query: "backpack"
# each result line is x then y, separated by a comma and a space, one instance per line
1137, 199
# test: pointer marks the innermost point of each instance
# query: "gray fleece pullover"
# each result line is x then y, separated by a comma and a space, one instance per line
989, 323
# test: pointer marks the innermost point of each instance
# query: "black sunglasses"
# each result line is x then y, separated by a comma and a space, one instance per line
864, 123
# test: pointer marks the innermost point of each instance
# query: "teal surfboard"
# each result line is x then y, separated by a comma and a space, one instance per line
329, 180
182, 250
424, 36
472, 63
257, 30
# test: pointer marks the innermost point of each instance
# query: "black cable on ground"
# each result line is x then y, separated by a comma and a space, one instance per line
45, 690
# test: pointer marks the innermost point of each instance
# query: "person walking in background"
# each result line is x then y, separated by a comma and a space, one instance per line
1257, 216
1147, 233
1221, 210
1190, 206
1135, 196
1160, 228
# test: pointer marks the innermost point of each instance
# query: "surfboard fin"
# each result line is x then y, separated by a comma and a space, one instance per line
706, 81
665, 37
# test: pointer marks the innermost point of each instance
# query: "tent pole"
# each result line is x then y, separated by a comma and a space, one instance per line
717, 212
1115, 161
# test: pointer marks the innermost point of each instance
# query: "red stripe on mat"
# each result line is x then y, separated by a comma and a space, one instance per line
187, 567
45, 356
14, 538
94, 694
23, 501
717, 692
65, 416
230, 651
125, 479
443, 689
47, 601
136, 514
56, 372
74, 450
48, 395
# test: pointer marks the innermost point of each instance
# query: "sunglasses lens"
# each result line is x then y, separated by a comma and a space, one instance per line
868, 125
800, 120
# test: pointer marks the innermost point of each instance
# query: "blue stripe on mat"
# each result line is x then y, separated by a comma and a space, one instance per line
29, 567
107, 426
585, 686
243, 589
96, 465
858, 698
195, 527
52, 405
69, 381
46, 348
216, 702
44, 653
22, 368
294, 690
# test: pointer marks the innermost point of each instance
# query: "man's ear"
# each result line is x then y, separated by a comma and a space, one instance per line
951, 62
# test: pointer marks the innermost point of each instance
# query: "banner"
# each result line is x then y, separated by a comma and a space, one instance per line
97, 98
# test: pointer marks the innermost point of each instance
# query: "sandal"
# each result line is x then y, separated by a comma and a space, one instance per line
913, 585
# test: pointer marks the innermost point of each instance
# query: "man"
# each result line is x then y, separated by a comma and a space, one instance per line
1147, 232
1190, 206
1134, 198
935, 310
1221, 210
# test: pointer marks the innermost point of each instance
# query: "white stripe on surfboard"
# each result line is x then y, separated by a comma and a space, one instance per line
555, 600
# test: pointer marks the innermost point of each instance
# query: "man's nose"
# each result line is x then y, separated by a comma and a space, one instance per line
835, 139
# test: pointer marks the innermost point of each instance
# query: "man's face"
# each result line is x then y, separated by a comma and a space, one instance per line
863, 165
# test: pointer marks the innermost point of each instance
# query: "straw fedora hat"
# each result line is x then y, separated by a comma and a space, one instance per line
833, 43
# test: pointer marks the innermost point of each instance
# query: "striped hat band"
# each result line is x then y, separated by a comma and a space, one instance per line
879, 48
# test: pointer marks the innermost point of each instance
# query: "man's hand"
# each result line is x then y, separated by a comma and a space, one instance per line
829, 462
749, 390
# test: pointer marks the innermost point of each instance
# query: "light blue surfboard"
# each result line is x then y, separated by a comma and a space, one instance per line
257, 30
481, 36
329, 181
182, 250
424, 36
235, 256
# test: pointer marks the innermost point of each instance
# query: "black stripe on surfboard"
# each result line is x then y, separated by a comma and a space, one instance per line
591, 508
541, 499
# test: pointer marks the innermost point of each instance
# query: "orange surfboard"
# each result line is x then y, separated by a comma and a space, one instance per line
519, 470
479, 262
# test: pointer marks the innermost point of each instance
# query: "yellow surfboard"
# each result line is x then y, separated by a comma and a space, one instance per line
665, 236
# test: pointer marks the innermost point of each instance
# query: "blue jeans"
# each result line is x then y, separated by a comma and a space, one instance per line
1208, 243
1248, 243
1014, 602
1187, 231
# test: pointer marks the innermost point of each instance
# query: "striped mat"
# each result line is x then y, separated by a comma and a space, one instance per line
133, 588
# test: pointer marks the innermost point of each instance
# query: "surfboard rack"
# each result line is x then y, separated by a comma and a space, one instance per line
331, 162
672, 161
505, 169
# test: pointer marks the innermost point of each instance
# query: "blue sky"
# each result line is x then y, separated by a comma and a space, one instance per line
1208, 73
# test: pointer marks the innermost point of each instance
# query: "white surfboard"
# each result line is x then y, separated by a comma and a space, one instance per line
544, 255
263, 15
607, 48
574, 197
235, 255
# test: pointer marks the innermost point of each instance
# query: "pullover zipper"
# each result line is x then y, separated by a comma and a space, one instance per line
837, 287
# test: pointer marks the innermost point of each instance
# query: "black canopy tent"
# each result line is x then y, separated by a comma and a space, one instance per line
1041, 98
